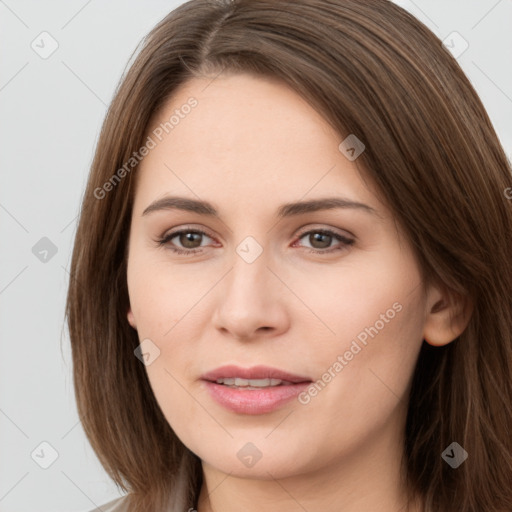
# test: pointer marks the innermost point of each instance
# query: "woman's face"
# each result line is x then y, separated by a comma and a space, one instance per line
331, 296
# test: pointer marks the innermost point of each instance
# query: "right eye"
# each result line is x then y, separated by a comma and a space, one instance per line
184, 237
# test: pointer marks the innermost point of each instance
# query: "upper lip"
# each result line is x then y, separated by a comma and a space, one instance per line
255, 372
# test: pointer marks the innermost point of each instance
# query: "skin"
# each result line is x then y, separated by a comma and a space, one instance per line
249, 146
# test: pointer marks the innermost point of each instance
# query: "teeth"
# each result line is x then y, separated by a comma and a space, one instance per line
252, 383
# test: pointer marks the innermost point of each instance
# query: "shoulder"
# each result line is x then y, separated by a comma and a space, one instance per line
116, 505
121, 505
178, 499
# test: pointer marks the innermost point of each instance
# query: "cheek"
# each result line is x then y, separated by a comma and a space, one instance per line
167, 309
372, 333
378, 291
362, 379
175, 389
162, 297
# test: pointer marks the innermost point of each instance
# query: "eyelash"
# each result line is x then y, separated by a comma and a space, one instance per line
188, 252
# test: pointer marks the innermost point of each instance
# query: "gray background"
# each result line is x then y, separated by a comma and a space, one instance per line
51, 110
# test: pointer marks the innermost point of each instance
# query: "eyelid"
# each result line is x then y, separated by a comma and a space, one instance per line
322, 227
345, 241
187, 227
299, 234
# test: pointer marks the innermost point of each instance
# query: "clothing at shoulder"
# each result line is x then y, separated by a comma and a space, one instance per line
116, 505
121, 505
178, 501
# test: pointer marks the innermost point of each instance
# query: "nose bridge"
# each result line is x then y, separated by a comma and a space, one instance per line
249, 280
247, 299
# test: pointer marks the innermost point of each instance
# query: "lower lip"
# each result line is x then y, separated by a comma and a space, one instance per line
254, 401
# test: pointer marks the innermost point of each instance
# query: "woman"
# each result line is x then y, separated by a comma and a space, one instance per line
290, 281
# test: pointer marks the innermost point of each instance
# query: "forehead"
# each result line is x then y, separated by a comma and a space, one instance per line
246, 138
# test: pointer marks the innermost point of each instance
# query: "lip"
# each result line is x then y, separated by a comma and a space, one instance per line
255, 372
254, 401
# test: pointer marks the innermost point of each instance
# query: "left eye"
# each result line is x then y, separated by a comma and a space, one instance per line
324, 237
321, 238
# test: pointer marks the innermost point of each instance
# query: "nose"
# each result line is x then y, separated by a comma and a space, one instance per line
251, 301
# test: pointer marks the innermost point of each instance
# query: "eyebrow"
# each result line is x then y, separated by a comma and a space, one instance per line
285, 210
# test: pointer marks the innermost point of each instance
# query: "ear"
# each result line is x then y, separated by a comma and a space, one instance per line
131, 318
447, 316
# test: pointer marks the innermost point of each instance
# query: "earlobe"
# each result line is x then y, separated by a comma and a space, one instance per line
448, 315
131, 318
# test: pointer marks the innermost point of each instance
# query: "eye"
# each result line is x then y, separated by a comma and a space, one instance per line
188, 239
322, 239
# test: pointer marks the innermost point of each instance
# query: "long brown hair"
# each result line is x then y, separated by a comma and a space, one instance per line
373, 70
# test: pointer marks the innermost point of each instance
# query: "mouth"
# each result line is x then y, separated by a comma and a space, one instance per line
256, 376
240, 383
256, 390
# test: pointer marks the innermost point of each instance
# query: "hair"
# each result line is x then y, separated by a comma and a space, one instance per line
371, 69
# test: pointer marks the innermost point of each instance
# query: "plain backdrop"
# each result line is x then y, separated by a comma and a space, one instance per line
51, 110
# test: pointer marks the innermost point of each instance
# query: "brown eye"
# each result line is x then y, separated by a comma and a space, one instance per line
188, 241
322, 239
